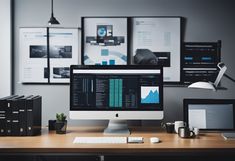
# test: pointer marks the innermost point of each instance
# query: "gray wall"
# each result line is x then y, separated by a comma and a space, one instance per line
206, 20
5, 48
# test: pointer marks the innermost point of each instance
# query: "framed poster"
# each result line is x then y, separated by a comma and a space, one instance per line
63, 53
105, 41
33, 55
47, 53
161, 36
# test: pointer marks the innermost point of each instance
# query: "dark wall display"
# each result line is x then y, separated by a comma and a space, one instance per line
199, 61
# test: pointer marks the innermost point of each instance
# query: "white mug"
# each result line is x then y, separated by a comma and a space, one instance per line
179, 124
196, 131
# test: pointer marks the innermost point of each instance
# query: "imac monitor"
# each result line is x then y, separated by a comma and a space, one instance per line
116, 93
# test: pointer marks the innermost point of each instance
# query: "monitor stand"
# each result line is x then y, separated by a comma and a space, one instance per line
117, 127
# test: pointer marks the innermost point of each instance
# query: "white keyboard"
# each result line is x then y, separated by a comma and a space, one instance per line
100, 140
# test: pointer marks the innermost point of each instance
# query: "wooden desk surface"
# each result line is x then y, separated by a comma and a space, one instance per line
49, 142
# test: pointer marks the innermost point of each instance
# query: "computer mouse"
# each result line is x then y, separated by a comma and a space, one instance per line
154, 140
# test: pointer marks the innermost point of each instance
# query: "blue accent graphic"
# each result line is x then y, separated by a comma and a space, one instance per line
101, 32
89, 61
104, 52
152, 97
188, 58
206, 58
118, 54
111, 62
104, 63
61, 33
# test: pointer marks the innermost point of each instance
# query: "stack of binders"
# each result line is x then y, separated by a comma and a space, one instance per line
20, 115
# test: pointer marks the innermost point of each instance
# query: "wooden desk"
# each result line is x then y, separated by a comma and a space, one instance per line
210, 144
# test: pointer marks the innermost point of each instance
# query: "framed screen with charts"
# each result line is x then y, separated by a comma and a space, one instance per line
105, 41
135, 40
162, 37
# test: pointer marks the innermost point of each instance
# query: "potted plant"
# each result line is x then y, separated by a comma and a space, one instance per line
61, 123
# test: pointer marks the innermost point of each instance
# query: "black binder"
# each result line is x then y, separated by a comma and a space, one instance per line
33, 106
7, 106
3, 108
22, 130
11, 103
20, 116
14, 117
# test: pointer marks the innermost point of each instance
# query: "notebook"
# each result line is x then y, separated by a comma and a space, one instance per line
229, 135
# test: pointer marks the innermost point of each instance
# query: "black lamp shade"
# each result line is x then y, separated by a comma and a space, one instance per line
53, 21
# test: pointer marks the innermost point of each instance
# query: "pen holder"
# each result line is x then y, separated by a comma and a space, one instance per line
61, 127
51, 125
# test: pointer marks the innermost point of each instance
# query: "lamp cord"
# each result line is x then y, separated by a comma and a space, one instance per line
52, 13
230, 78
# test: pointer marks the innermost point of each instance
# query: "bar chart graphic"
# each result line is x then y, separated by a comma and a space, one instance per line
115, 92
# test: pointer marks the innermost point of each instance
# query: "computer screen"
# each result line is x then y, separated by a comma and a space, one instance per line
209, 114
116, 88
116, 93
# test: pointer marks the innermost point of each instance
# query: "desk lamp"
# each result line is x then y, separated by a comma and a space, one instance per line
211, 85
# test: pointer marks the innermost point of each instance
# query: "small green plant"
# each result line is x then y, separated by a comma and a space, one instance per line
61, 117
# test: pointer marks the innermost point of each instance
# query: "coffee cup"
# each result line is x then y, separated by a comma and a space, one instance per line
169, 126
179, 124
196, 131
185, 132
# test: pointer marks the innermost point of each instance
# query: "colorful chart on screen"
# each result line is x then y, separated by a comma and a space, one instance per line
105, 41
149, 94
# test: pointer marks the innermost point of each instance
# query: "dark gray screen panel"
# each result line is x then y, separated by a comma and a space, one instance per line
211, 116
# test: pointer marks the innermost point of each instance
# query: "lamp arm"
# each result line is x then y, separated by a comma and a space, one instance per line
223, 69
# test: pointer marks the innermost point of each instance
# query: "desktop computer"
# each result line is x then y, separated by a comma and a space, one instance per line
116, 93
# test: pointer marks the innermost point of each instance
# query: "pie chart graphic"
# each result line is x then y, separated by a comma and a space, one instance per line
101, 32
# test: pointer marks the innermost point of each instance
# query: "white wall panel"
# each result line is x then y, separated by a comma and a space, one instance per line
5, 47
